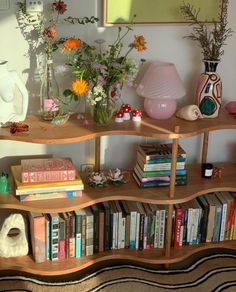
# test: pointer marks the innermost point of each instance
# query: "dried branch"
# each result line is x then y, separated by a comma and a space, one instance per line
211, 38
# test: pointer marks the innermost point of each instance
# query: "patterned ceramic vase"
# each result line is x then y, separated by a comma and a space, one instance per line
209, 91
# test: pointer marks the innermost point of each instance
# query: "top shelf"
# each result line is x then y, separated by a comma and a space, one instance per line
43, 132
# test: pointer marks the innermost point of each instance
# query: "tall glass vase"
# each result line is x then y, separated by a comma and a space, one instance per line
49, 93
209, 91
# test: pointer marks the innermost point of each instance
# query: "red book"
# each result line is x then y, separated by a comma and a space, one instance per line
177, 227
47, 170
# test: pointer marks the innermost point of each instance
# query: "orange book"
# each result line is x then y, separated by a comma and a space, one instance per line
38, 236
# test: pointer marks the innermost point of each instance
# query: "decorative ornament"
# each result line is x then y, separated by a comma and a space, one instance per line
217, 172
119, 117
136, 115
15, 245
126, 108
4, 184
116, 177
97, 179
189, 113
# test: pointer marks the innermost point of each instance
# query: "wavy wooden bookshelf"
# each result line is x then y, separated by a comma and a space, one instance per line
73, 131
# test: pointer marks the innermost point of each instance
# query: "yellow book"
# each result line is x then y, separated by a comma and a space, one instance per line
43, 187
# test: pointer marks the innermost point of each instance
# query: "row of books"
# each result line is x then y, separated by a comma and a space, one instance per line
105, 226
153, 166
46, 179
126, 224
209, 218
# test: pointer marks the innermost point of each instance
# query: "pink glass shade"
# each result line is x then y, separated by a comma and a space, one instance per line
161, 108
161, 80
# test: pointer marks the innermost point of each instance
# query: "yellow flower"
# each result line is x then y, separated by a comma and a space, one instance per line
79, 87
72, 43
139, 43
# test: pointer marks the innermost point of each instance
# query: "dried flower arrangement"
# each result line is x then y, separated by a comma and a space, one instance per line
211, 37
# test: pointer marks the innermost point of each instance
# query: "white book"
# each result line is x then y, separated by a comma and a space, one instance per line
157, 229
123, 232
132, 209
137, 230
119, 225
224, 214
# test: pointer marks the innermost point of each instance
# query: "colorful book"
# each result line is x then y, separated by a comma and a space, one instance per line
144, 174
159, 151
159, 178
144, 161
44, 187
224, 205
48, 236
153, 184
54, 236
49, 196
95, 211
89, 231
78, 232
62, 238
38, 236
177, 227
71, 235
47, 170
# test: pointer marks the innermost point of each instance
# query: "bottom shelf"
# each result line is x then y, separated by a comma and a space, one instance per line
153, 256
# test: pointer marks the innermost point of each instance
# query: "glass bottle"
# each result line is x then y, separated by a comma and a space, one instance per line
49, 93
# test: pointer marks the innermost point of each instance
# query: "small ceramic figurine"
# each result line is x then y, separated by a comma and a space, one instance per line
119, 117
126, 108
97, 179
9, 110
4, 185
136, 115
116, 177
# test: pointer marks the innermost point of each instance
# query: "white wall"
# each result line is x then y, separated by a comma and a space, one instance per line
164, 42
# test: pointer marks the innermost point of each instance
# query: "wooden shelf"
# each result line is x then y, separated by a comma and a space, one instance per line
196, 186
153, 256
43, 132
74, 131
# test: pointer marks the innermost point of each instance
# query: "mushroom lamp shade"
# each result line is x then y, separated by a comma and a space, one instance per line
161, 86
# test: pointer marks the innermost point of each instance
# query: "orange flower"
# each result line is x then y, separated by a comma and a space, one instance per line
79, 87
50, 32
72, 44
139, 43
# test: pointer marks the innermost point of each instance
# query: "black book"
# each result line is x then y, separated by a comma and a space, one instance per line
204, 219
107, 229
95, 211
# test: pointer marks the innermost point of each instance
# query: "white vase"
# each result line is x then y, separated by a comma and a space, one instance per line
11, 109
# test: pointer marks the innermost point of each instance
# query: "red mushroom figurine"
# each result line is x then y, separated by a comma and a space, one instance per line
119, 117
136, 115
126, 108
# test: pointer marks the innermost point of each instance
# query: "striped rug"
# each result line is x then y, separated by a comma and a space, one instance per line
215, 272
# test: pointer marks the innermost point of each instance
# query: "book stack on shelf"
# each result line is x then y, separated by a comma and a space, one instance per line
46, 178
153, 166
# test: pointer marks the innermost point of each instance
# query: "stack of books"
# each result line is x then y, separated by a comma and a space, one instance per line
153, 167
47, 178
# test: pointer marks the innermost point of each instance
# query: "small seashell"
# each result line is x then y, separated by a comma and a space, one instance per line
189, 112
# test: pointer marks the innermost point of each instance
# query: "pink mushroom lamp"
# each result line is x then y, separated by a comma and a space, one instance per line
161, 86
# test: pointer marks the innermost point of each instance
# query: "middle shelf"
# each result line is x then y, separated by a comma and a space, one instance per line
195, 187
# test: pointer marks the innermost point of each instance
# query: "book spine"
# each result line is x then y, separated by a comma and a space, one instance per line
89, 235
161, 238
107, 228
48, 196
216, 232
133, 219
62, 240
141, 229
48, 237
137, 231
162, 166
115, 231
157, 228
178, 220
78, 236
96, 232
72, 236
101, 230
223, 220
38, 238
54, 237
83, 245
47, 176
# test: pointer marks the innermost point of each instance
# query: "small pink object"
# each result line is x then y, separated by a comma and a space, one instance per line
119, 117
136, 115
126, 108
231, 107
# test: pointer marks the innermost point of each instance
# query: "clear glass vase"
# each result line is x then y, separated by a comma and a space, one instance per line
49, 93
103, 112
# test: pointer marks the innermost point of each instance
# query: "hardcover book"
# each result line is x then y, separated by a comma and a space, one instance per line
16, 173
54, 236
159, 152
51, 195
38, 236
47, 170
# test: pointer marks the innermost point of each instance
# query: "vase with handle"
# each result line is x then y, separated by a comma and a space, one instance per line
209, 91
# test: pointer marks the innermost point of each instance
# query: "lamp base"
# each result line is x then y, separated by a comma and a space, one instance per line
160, 108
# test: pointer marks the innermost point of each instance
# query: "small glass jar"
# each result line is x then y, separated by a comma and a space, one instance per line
207, 170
